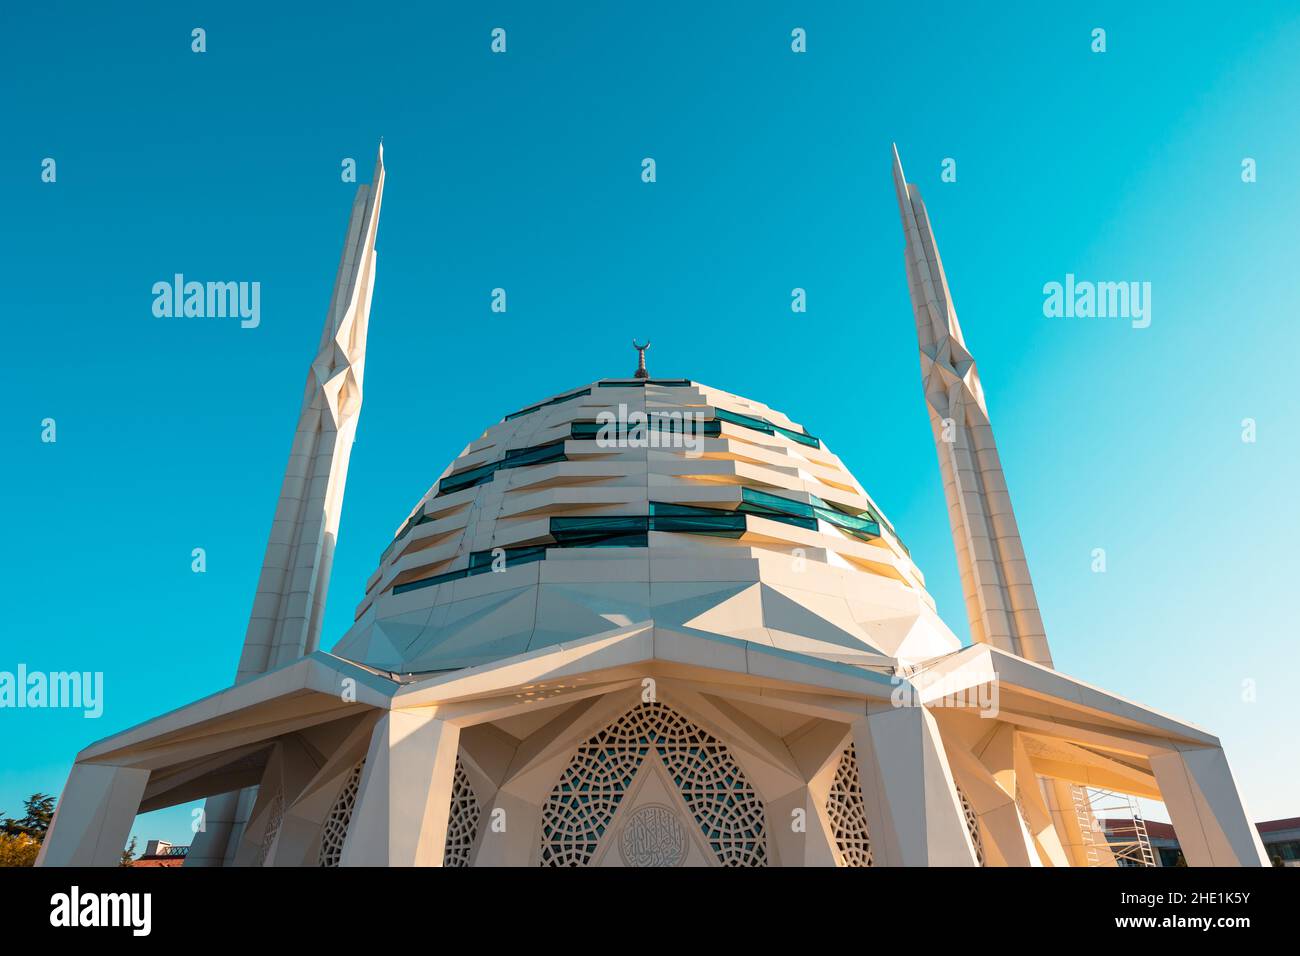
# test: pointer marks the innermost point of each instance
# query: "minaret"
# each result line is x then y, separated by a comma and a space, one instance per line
285, 623
286, 620
1000, 600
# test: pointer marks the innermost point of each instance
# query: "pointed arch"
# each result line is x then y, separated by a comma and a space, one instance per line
725, 806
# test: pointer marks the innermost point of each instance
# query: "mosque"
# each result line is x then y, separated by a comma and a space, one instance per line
584, 647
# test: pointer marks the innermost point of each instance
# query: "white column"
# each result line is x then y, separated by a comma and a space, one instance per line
208, 848
911, 801
515, 841
405, 798
94, 816
812, 843
1206, 810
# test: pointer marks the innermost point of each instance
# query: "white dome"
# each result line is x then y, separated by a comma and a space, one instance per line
631, 501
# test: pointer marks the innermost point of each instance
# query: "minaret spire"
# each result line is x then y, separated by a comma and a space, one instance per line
286, 620
1000, 600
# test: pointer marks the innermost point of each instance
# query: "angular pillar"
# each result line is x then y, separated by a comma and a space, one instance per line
1206, 809
515, 842
913, 813
405, 798
210, 844
93, 819
812, 843
1005, 841
797, 821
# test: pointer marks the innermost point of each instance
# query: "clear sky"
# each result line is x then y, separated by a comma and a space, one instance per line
522, 171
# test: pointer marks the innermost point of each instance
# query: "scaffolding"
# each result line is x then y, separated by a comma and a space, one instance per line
1126, 834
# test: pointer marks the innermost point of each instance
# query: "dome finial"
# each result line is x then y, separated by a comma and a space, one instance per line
640, 356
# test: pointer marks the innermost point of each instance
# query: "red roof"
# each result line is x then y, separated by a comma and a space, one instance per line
1165, 831
1272, 826
1161, 831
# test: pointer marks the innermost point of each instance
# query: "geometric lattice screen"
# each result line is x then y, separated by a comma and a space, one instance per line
462, 822
972, 826
340, 815
274, 817
847, 813
714, 788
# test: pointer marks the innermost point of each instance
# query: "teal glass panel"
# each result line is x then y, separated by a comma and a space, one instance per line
728, 524
663, 509
466, 479
585, 430
689, 519
516, 458
862, 527
481, 561
555, 401
767, 428
799, 437
537, 455
590, 431
761, 501
746, 421
603, 539
430, 582
598, 524
605, 531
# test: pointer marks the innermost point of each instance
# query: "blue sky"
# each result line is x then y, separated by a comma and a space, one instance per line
522, 171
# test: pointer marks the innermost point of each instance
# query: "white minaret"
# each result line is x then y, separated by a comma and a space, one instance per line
286, 619
1000, 600
285, 623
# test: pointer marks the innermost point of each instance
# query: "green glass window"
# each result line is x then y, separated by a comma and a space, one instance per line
515, 458
761, 501
430, 582
601, 531
799, 437
585, 430
767, 428
555, 401
481, 561
590, 431
776, 508
466, 479
861, 527
537, 455
746, 421
643, 382
686, 519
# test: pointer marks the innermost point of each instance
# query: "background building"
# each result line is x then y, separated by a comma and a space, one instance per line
1281, 839
160, 854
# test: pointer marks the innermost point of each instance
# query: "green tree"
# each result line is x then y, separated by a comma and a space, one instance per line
39, 810
128, 854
